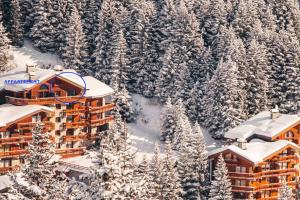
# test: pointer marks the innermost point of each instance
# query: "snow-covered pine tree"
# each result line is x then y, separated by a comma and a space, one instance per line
120, 68
285, 192
123, 102
4, 49
182, 130
42, 31
109, 26
221, 185
168, 121
214, 18
39, 168
245, 18
257, 78
283, 79
75, 56
16, 29
170, 178
142, 179
221, 103
156, 174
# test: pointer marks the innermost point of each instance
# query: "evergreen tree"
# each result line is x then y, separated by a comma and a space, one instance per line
142, 179
156, 175
221, 103
123, 102
221, 185
171, 183
4, 49
285, 192
168, 121
75, 52
16, 29
39, 169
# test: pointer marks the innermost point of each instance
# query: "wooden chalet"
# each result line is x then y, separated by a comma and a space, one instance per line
264, 152
257, 169
73, 109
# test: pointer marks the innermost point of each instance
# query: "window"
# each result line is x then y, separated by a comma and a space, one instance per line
58, 119
69, 144
227, 156
265, 193
266, 167
44, 87
58, 145
57, 93
241, 169
58, 106
69, 118
240, 182
283, 165
57, 133
36, 118
70, 106
289, 134
71, 92
99, 103
70, 132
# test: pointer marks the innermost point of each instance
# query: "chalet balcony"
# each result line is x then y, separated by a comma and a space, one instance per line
31, 125
78, 124
103, 109
5, 170
270, 186
75, 138
15, 140
43, 101
13, 153
100, 122
77, 111
269, 173
65, 153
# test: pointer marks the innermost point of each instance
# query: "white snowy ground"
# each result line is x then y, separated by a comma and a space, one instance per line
146, 131
31, 56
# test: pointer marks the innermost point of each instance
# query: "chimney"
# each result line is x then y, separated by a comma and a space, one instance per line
29, 68
32, 75
242, 143
275, 113
58, 68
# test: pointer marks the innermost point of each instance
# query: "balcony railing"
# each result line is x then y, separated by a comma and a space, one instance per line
270, 186
76, 111
31, 125
75, 124
4, 170
75, 138
15, 140
43, 101
268, 173
100, 122
70, 152
102, 109
12, 154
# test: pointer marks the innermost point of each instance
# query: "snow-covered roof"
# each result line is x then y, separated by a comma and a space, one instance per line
39, 74
5, 182
256, 152
10, 113
95, 88
262, 125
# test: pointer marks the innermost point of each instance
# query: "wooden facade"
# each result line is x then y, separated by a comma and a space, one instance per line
75, 120
260, 180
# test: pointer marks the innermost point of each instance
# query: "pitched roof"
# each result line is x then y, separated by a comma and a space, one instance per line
262, 125
10, 113
256, 152
96, 88
40, 75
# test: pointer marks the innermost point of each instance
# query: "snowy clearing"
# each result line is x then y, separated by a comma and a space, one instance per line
145, 132
31, 56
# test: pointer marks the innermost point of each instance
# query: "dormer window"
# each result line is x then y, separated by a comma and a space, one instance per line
289, 134
44, 87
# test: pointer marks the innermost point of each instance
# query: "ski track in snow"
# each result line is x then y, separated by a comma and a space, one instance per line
31, 56
144, 135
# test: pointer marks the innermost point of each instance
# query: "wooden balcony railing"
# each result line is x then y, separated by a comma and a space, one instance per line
268, 173
31, 125
4, 170
12, 154
100, 122
270, 186
70, 152
15, 140
75, 138
76, 111
43, 101
75, 124
102, 109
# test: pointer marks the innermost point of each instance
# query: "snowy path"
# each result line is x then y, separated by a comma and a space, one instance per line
145, 135
31, 56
